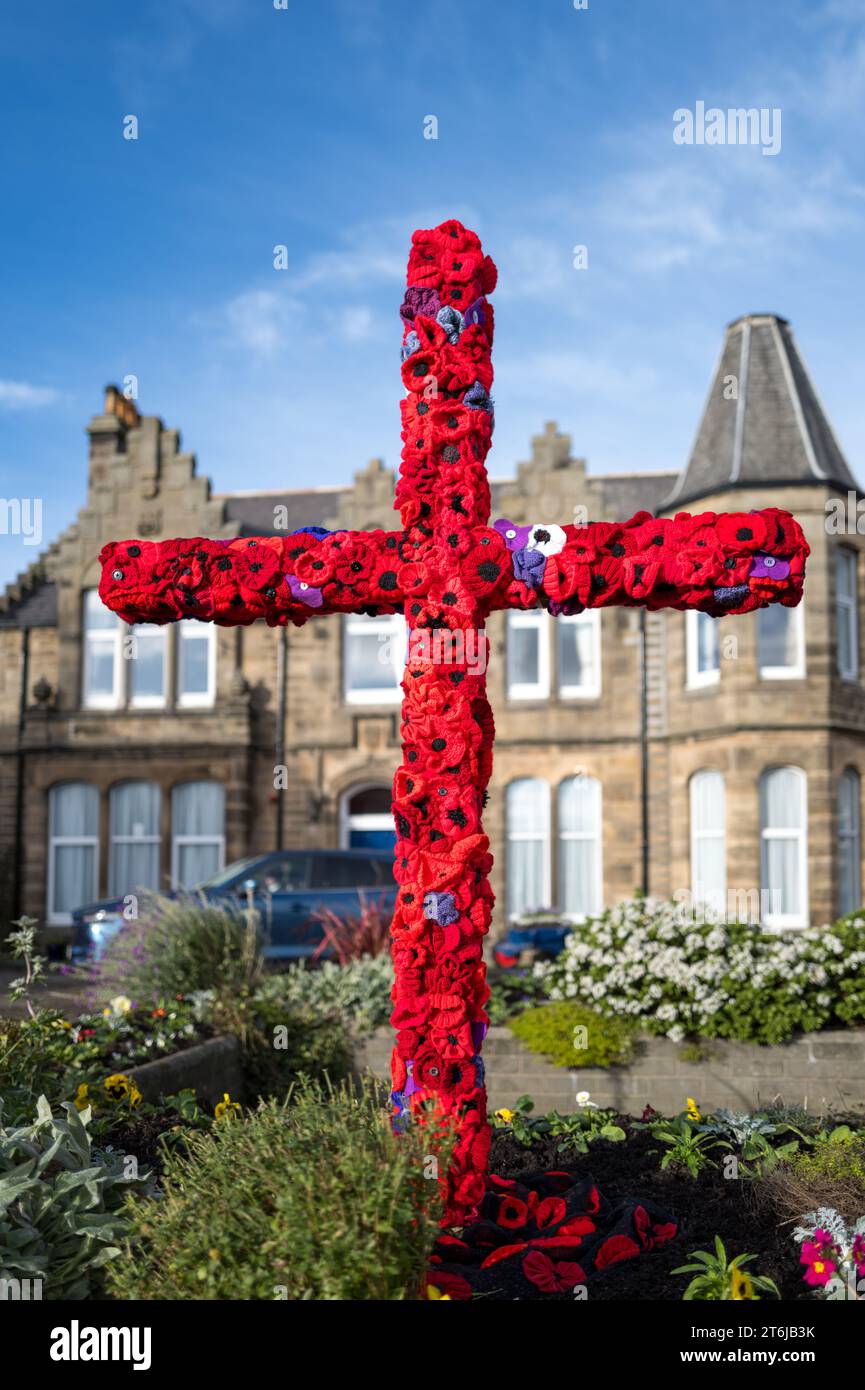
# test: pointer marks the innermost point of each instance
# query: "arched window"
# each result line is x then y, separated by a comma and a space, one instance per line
580, 873
73, 849
133, 817
784, 847
197, 832
366, 819
528, 845
849, 842
708, 840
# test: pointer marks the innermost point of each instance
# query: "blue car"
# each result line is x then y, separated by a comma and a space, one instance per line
287, 888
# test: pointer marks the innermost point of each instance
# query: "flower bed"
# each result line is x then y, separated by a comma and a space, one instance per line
676, 971
685, 1167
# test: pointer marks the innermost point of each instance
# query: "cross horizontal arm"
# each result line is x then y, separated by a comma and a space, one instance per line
727, 562
274, 578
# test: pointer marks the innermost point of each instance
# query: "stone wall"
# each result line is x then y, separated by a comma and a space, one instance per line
819, 1071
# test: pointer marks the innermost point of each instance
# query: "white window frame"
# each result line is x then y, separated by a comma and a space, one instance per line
132, 839
64, 919
539, 689
105, 637
696, 679
797, 670
780, 920
847, 610
179, 841
596, 836
590, 618
196, 699
853, 835
698, 834
390, 626
544, 837
148, 701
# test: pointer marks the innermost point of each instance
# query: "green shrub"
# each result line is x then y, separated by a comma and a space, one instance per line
282, 1041
552, 1031
310, 1200
677, 971
60, 1203
180, 946
835, 1157
358, 991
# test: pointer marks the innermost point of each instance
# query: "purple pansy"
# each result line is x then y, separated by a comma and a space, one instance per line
304, 593
515, 537
440, 908
769, 567
476, 313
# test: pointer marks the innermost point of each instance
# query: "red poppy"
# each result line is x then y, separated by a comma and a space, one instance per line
256, 565
652, 1234
552, 1277
742, 531
615, 1249
502, 1253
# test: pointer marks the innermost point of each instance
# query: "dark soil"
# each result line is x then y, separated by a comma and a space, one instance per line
141, 1138
704, 1207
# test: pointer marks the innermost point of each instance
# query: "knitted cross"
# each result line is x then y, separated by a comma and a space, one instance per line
446, 569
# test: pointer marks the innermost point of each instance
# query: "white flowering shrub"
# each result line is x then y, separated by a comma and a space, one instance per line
676, 973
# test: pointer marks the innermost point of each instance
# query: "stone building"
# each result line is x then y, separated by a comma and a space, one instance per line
665, 751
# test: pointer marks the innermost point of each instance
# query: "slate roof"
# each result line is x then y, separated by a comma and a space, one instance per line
774, 431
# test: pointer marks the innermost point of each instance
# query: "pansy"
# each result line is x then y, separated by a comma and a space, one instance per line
769, 567
304, 593
513, 535
440, 908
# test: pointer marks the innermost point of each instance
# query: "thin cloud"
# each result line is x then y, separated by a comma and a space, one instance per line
22, 395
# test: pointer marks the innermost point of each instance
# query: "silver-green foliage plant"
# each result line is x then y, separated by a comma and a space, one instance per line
358, 991
60, 1218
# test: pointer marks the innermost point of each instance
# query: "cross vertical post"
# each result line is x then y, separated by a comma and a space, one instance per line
446, 569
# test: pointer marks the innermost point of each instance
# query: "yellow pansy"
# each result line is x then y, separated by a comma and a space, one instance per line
505, 1115
692, 1110
742, 1287
81, 1101
119, 1087
227, 1108
436, 1295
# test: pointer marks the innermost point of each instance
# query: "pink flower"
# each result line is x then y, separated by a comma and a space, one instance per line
820, 1268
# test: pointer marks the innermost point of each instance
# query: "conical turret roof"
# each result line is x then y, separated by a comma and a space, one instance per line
763, 423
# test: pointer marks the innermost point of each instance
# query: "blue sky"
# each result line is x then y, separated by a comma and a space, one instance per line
304, 127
